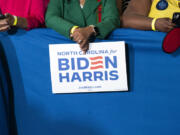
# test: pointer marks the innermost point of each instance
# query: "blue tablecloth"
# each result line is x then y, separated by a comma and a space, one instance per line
4, 97
152, 106
3, 114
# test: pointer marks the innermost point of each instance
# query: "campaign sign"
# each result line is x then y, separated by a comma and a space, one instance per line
101, 69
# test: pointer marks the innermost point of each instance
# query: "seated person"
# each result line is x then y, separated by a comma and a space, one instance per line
26, 14
82, 19
150, 14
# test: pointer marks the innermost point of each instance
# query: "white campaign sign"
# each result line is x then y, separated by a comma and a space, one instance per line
102, 68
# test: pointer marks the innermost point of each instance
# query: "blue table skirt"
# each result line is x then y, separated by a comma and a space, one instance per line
3, 114
152, 106
3, 102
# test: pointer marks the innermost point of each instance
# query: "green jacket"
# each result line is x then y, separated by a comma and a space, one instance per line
62, 15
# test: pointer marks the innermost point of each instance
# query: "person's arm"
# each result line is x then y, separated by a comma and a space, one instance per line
136, 16
9, 21
20, 22
110, 19
54, 18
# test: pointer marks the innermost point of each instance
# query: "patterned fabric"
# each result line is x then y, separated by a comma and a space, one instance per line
124, 4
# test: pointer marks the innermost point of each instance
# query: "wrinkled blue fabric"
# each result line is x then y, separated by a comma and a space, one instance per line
151, 107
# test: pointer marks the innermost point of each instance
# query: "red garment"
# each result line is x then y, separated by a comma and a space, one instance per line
32, 10
172, 41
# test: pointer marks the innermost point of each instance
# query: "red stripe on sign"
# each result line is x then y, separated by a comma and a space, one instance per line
97, 62
95, 58
96, 67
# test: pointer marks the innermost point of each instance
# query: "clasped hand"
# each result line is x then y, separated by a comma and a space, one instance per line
81, 36
5, 24
164, 24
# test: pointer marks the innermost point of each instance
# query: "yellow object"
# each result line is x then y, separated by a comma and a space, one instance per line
173, 6
153, 24
15, 20
73, 28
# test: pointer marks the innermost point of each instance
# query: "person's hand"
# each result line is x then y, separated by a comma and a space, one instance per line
81, 36
4, 25
10, 19
164, 24
21, 21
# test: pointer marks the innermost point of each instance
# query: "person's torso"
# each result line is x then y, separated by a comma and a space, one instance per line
163, 8
15, 7
87, 15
